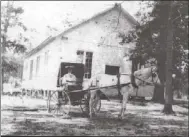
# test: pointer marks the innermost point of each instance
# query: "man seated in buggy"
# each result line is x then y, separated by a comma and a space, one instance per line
69, 79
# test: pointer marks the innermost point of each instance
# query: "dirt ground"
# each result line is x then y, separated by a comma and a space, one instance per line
144, 119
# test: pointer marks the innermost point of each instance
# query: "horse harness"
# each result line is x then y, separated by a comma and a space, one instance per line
133, 82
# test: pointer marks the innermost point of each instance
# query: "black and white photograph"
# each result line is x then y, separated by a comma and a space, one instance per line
94, 68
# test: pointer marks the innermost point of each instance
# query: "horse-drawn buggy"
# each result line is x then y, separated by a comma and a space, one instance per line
73, 90
66, 87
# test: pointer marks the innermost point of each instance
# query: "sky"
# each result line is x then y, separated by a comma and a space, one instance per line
40, 14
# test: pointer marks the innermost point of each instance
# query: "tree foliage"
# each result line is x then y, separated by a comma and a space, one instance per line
11, 48
150, 36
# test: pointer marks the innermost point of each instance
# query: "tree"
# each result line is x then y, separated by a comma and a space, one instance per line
150, 37
169, 42
12, 49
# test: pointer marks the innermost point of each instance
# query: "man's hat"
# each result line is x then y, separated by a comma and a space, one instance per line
69, 67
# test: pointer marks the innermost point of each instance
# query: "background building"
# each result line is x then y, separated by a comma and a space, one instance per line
94, 42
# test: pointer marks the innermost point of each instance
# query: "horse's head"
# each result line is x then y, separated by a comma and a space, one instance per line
154, 75
148, 74
153, 71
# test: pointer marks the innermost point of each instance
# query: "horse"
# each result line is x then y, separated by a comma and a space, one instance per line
141, 77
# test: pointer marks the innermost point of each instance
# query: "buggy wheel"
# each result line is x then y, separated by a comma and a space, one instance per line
59, 103
84, 104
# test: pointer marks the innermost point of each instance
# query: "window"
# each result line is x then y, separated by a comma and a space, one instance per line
88, 64
37, 65
111, 70
31, 68
46, 57
80, 55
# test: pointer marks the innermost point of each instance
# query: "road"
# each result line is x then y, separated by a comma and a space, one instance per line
140, 119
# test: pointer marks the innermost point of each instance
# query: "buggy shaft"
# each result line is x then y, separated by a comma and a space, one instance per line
95, 88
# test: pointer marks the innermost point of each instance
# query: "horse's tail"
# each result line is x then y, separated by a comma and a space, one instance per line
119, 88
102, 95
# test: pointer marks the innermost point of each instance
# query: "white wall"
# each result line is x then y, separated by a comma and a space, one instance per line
101, 31
47, 73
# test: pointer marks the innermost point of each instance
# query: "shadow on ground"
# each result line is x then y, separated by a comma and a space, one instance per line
141, 118
132, 124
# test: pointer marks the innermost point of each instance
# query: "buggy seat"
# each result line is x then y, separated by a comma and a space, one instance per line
78, 71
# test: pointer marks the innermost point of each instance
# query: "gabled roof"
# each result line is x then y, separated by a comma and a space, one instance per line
51, 39
41, 46
117, 6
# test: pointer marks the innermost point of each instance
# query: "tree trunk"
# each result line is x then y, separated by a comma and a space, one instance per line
179, 96
158, 95
178, 88
1, 79
169, 92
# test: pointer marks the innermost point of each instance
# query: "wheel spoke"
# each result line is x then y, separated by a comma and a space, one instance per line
54, 109
84, 105
54, 98
53, 101
59, 105
66, 103
56, 94
58, 110
53, 106
63, 109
